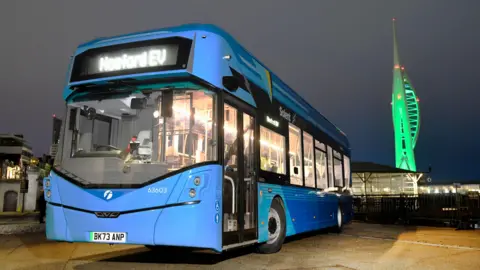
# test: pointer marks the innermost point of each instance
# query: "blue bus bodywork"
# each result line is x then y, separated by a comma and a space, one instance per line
305, 209
173, 218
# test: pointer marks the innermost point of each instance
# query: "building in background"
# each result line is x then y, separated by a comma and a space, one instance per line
56, 129
15, 154
15, 158
369, 178
454, 187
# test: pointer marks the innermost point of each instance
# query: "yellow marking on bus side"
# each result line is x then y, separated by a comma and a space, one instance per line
270, 89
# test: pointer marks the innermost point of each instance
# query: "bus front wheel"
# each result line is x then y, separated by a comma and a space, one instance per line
276, 229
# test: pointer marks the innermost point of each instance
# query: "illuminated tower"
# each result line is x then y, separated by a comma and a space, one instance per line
405, 113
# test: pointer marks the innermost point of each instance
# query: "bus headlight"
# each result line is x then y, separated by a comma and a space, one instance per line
49, 193
196, 181
47, 183
192, 193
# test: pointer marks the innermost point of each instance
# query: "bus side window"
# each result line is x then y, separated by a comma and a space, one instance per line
330, 166
272, 153
321, 168
308, 160
346, 171
338, 169
295, 154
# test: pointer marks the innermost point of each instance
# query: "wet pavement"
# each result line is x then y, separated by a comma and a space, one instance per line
360, 246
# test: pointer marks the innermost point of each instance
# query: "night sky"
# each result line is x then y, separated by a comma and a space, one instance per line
336, 54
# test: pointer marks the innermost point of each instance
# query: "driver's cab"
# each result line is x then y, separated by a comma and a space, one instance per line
136, 136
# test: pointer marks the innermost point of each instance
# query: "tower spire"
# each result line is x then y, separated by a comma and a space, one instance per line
405, 112
396, 58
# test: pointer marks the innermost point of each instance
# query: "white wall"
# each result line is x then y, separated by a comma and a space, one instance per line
31, 196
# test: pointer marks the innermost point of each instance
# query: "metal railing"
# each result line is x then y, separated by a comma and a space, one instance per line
424, 208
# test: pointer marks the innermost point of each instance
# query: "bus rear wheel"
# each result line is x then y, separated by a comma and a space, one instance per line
339, 218
276, 229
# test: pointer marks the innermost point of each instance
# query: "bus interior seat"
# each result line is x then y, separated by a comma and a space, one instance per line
274, 168
144, 137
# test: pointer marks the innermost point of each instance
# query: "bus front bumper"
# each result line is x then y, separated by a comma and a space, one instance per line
187, 225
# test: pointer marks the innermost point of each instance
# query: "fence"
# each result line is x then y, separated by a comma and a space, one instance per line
424, 208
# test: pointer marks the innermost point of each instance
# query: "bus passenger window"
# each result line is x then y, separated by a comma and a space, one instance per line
272, 151
321, 169
338, 169
308, 160
295, 154
330, 166
346, 170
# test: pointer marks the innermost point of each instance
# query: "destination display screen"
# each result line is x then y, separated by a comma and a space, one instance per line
131, 58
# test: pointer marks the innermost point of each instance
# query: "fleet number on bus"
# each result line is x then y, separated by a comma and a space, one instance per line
161, 190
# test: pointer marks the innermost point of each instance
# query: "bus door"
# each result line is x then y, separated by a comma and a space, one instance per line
239, 184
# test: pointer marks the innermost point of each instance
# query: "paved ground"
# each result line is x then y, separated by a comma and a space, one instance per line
15, 223
361, 246
17, 217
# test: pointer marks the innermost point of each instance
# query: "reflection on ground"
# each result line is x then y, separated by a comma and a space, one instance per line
360, 246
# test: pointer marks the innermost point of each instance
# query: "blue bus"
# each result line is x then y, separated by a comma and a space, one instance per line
180, 137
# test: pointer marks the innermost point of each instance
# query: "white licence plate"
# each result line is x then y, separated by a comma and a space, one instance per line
108, 237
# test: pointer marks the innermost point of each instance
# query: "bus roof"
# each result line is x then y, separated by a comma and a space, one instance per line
323, 121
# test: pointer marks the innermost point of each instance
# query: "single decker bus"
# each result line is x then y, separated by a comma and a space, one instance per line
180, 137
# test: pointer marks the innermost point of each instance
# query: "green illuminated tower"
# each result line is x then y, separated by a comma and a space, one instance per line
405, 112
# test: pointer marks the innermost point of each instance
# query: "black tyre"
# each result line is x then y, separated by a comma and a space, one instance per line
276, 229
339, 218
